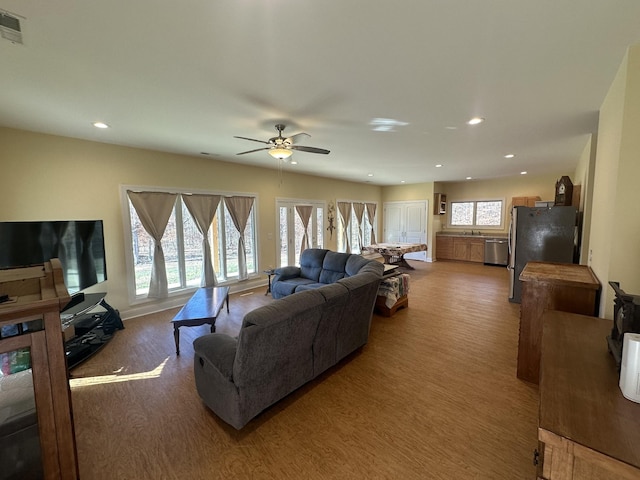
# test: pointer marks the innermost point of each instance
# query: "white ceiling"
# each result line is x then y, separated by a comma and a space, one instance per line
187, 76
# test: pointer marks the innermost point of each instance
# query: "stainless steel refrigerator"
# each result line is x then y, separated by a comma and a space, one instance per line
539, 234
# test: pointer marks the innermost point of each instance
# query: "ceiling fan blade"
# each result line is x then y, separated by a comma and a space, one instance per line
256, 150
309, 149
252, 139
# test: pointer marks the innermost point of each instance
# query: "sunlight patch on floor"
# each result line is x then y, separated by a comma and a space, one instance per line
116, 378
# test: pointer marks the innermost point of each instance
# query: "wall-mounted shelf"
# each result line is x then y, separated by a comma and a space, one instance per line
439, 204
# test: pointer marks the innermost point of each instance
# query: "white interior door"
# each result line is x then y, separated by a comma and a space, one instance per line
406, 222
393, 223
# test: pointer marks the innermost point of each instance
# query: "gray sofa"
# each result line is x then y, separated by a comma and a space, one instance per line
283, 345
318, 267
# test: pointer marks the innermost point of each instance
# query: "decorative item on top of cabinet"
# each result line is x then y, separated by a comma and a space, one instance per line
439, 204
564, 191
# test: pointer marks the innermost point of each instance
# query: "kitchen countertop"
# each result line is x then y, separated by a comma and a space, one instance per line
468, 235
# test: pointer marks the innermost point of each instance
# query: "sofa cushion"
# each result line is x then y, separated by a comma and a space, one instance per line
287, 287
353, 331
354, 264
333, 267
324, 344
308, 286
218, 350
311, 263
275, 342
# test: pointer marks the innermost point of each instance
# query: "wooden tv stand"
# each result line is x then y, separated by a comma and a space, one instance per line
587, 429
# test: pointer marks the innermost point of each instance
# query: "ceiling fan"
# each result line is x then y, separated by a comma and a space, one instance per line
282, 147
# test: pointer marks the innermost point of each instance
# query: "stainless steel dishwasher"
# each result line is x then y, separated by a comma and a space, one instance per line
496, 251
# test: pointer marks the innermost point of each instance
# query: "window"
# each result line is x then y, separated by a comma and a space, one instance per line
354, 231
292, 229
182, 247
477, 213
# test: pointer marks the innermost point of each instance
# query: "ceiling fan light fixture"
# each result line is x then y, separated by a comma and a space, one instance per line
280, 153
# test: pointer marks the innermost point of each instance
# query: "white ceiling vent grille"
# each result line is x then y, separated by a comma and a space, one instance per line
10, 28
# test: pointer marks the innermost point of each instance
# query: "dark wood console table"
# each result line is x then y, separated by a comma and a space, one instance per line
550, 286
587, 429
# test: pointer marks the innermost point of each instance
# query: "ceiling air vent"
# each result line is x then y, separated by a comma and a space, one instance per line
10, 28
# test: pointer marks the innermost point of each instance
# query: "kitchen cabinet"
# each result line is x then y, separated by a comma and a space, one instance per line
439, 204
524, 201
444, 247
468, 249
587, 430
460, 247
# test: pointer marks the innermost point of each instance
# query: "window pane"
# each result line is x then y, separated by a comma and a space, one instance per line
461, 213
193, 257
249, 246
142, 246
231, 247
299, 229
489, 213
366, 229
284, 236
319, 224
170, 249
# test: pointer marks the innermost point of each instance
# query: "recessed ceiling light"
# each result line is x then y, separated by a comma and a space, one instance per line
100, 125
439, 165
294, 162
523, 173
401, 181
475, 121
468, 178
369, 174
509, 155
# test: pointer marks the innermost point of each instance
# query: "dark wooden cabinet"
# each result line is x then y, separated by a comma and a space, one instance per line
33, 316
550, 286
587, 429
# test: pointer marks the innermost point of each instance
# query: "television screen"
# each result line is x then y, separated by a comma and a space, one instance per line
79, 244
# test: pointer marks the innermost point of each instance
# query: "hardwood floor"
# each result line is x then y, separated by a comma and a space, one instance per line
433, 395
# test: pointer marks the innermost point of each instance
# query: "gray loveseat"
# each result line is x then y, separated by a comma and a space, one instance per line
318, 267
283, 345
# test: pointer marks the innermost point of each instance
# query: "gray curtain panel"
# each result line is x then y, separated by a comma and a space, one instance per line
239, 210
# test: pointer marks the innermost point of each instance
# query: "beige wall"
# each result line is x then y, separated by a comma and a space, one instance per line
615, 228
48, 177
542, 186
584, 176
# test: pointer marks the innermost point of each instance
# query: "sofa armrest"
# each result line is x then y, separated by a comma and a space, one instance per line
285, 273
219, 350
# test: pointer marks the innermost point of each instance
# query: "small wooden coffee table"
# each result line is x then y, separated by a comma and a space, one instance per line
203, 307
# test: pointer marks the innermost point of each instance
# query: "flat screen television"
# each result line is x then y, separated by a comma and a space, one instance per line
79, 244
